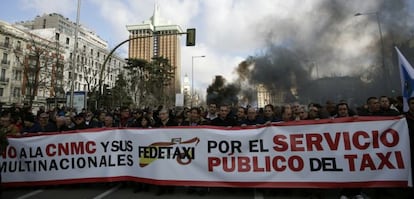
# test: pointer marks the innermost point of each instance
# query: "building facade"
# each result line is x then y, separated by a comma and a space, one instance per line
31, 67
158, 38
90, 54
12, 47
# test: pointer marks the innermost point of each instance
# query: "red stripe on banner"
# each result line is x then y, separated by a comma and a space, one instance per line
367, 184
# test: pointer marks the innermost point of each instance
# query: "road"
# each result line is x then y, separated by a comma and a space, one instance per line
118, 190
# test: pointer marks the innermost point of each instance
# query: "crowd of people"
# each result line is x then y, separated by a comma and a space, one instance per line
16, 121
19, 121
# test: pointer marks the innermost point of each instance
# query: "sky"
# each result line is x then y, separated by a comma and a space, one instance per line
228, 31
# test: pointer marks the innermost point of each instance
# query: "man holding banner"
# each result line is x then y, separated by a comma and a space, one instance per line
409, 115
3, 145
407, 83
407, 78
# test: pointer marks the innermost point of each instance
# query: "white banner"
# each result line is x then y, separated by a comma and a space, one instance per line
324, 153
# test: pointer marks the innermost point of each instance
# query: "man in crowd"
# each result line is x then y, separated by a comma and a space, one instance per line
61, 124
5, 130
212, 112
241, 115
373, 108
90, 121
108, 122
164, 119
46, 124
330, 108
79, 121
30, 124
137, 116
343, 111
269, 115
101, 118
409, 115
7, 127
252, 118
223, 118
125, 119
386, 109
195, 118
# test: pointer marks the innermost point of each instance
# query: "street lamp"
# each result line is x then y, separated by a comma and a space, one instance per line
192, 76
382, 45
74, 63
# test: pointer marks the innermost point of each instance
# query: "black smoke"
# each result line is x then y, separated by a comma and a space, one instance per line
311, 58
220, 92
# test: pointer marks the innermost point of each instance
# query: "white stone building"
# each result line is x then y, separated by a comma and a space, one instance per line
90, 55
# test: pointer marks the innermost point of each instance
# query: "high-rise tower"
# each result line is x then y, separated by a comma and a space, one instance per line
158, 42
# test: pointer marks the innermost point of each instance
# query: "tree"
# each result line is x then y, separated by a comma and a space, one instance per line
136, 71
40, 64
161, 77
119, 93
151, 81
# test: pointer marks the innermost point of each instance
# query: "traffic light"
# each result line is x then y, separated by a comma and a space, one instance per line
191, 36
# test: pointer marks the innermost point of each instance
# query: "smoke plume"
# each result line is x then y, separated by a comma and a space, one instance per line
324, 52
219, 92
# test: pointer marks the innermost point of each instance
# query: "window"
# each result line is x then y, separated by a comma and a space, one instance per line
3, 74
57, 35
17, 75
4, 60
6, 41
16, 92
19, 45
67, 40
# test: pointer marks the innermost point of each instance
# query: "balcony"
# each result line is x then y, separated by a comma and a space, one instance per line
18, 49
15, 99
4, 81
16, 82
5, 45
5, 63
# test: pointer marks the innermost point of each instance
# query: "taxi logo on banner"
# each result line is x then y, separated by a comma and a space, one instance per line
182, 151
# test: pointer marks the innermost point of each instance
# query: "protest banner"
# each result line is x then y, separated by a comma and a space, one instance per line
331, 153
